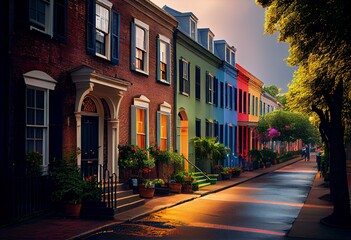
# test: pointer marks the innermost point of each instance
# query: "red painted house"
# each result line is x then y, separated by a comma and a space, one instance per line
243, 115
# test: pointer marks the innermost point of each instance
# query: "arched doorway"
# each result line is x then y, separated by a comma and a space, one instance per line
91, 135
105, 94
184, 136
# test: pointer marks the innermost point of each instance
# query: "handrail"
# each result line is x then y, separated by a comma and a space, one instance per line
208, 178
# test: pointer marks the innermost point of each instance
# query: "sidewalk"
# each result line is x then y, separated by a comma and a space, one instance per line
306, 226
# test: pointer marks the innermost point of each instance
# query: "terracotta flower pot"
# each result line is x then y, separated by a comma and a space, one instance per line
72, 209
175, 187
187, 188
146, 192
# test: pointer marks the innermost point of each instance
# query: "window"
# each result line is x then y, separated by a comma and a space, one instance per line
209, 88
193, 34
140, 122
260, 108
164, 126
221, 94
140, 46
197, 83
164, 131
231, 138
221, 133
209, 128
235, 99
232, 58
215, 130
49, 17
210, 43
140, 127
240, 101
164, 59
37, 113
249, 103
229, 96
198, 127
253, 105
227, 55
102, 30
244, 102
184, 77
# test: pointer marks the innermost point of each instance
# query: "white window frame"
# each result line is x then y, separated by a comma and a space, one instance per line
141, 102
193, 31
107, 5
210, 88
145, 27
49, 18
40, 81
167, 42
185, 77
164, 110
210, 46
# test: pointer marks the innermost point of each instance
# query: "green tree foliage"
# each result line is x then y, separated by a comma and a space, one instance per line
291, 126
318, 33
272, 90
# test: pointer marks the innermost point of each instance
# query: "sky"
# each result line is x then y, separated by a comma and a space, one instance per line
241, 24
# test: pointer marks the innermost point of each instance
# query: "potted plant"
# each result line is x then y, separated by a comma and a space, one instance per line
226, 173
68, 186
236, 171
147, 189
161, 186
188, 183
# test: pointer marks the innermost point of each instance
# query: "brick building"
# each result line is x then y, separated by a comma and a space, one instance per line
87, 76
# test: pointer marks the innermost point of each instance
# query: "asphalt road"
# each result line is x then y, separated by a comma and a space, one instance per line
263, 208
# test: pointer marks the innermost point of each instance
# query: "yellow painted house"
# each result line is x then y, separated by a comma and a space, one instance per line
253, 100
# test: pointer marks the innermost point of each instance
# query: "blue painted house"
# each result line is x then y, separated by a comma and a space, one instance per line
228, 98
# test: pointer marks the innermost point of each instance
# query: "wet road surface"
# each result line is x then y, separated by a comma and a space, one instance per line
262, 208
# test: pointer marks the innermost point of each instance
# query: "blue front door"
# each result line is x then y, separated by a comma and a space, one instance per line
89, 151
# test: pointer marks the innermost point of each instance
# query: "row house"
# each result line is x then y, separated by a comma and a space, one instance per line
84, 76
268, 103
243, 116
205, 88
228, 99
249, 98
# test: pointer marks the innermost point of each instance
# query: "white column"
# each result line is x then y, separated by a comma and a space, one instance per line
114, 123
79, 134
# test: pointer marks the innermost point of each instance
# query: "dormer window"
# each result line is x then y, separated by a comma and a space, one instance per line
193, 29
230, 56
210, 43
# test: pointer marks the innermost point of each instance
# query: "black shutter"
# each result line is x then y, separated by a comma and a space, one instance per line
91, 27
60, 20
215, 91
181, 87
207, 87
115, 37
188, 82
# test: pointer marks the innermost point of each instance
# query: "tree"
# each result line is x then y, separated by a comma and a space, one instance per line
273, 90
318, 33
291, 126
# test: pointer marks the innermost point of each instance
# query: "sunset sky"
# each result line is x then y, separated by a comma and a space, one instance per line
240, 23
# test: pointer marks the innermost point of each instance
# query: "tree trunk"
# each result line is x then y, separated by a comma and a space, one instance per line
338, 178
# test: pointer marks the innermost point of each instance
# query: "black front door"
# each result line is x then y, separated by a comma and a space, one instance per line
89, 138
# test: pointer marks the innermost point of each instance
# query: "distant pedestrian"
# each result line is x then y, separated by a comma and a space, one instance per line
307, 153
318, 160
303, 152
